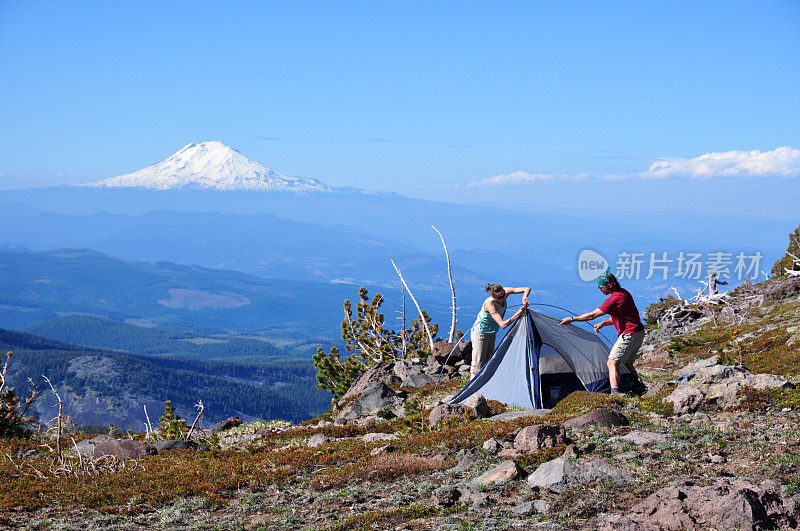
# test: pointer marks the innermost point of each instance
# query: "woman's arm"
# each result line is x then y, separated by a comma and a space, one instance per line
526, 291
594, 314
496, 315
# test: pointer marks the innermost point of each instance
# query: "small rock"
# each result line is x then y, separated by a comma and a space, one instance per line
466, 459
317, 439
478, 403
372, 437
444, 411
525, 508
540, 436
571, 452
382, 450
685, 399
598, 417
492, 446
175, 445
626, 456
382, 372
417, 380
509, 453
502, 473
446, 495
123, 448
642, 438
560, 474
228, 423
377, 396
459, 351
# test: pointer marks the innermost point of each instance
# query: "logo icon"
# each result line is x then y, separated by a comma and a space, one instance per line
591, 264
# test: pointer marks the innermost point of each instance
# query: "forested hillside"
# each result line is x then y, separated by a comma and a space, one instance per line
102, 386
103, 333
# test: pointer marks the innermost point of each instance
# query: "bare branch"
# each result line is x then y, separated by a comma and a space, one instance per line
421, 315
200, 408
58, 418
452, 334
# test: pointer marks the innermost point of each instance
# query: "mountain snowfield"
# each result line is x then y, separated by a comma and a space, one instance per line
212, 166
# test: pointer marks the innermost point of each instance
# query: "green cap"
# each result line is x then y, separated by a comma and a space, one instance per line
603, 279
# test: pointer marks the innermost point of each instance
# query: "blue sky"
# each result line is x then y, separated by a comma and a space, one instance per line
415, 98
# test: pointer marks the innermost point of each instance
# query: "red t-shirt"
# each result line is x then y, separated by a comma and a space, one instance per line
620, 306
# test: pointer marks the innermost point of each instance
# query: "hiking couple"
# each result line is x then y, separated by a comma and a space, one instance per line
619, 306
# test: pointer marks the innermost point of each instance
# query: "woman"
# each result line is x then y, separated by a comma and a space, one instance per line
625, 318
490, 320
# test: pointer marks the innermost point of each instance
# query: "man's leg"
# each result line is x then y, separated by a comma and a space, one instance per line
613, 373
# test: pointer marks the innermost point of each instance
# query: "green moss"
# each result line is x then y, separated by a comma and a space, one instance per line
401, 514
581, 402
763, 399
656, 403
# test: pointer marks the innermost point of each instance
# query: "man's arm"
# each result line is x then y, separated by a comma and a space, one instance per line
594, 314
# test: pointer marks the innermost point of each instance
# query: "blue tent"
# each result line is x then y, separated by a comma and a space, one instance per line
538, 363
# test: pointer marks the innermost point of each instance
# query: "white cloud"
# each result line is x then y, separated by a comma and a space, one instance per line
780, 162
517, 178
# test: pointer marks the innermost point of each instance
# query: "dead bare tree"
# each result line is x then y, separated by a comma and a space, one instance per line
421, 315
200, 409
148, 426
58, 418
451, 336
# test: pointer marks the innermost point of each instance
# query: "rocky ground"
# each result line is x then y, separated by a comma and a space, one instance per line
714, 444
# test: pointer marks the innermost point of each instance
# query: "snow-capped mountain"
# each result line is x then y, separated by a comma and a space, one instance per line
212, 166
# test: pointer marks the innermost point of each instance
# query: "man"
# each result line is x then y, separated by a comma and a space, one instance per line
625, 317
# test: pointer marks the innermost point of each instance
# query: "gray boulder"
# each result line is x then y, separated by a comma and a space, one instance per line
685, 399
641, 438
457, 351
372, 437
598, 417
317, 439
446, 495
560, 474
175, 445
417, 380
404, 369
502, 473
123, 448
726, 504
478, 403
445, 411
692, 368
228, 423
540, 436
531, 507
377, 396
381, 372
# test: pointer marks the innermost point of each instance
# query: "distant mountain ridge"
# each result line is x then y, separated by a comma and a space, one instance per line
212, 166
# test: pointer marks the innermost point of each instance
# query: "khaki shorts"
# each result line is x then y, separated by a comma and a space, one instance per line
626, 349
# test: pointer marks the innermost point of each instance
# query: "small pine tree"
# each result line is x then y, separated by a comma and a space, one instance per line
172, 425
787, 262
369, 343
14, 418
333, 374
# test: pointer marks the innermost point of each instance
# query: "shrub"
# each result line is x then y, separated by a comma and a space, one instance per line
14, 417
172, 425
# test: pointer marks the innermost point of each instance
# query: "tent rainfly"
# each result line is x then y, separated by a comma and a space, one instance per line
538, 363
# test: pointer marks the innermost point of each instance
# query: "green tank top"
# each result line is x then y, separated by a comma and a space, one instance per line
485, 323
